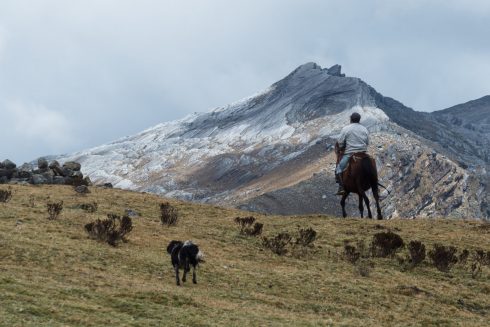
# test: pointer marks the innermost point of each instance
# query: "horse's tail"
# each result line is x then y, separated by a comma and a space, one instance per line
370, 173
384, 188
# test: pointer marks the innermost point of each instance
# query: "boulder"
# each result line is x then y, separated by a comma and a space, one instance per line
49, 175
38, 179
25, 166
42, 163
58, 171
24, 174
6, 173
82, 189
77, 175
72, 165
3, 180
9, 164
67, 172
59, 180
87, 181
131, 213
107, 185
40, 171
53, 164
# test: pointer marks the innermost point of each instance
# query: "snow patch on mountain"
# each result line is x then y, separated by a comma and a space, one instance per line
168, 150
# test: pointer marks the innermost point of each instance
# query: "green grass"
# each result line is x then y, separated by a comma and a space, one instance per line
52, 274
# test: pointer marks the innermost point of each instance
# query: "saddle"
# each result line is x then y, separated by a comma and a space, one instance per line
354, 158
358, 156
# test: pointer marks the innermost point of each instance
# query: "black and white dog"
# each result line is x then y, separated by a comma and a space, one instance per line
184, 255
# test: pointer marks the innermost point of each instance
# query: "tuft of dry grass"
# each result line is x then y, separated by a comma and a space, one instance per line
53, 274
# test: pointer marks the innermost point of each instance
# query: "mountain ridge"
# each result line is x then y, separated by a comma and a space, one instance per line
213, 156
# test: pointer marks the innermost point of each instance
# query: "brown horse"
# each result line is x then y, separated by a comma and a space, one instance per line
360, 176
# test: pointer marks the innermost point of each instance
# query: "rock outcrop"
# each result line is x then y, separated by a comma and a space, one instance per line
45, 173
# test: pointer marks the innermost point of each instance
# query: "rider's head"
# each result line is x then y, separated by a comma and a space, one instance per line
355, 118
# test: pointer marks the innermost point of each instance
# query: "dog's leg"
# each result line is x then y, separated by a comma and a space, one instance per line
194, 278
176, 267
186, 269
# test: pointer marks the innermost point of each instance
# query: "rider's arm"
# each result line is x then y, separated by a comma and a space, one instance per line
341, 140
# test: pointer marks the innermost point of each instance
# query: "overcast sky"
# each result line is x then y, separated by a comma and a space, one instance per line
76, 74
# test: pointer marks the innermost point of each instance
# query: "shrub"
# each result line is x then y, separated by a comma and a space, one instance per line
364, 268
362, 248
278, 243
168, 214
110, 230
246, 227
351, 254
463, 257
416, 250
479, 259
5, 195
32, 202
54, 209
89, 207
385, 244
443, 257
306, 237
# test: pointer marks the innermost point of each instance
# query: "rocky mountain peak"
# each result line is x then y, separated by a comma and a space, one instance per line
311, 68
335, 70
258, 150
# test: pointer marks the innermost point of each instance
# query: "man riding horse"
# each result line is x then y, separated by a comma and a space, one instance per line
356, 171
354, 138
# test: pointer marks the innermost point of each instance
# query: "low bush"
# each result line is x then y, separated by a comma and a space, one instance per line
5, 195
110, 230
351, 254
364, 268
306, 237
463, 257
247, 226
443, 257
416, 250
478, 259
168, 214
31, 201
386, 244
278, 244
89, 207
54, 209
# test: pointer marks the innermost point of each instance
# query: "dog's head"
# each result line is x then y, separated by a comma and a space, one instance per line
171, 246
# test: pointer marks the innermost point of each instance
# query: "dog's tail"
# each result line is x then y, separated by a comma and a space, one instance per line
200, 256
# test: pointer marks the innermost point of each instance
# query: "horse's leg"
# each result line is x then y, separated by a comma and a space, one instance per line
366, 199
376, 198
361, 207
342, 203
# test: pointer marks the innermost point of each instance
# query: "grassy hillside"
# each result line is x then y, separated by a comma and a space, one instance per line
52, 274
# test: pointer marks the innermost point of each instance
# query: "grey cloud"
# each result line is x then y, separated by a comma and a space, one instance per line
112, 68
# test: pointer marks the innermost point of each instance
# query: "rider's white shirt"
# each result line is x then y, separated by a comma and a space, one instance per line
355, 137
